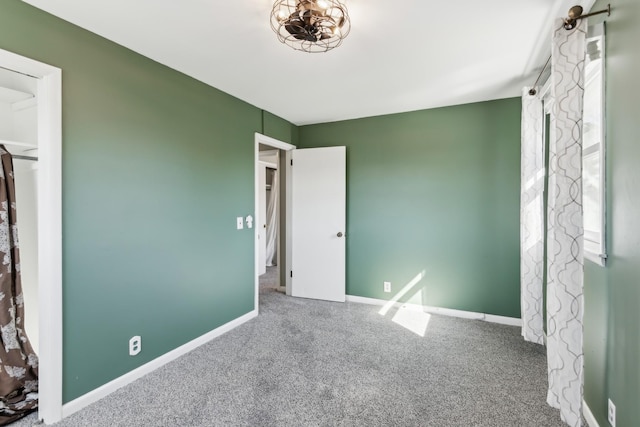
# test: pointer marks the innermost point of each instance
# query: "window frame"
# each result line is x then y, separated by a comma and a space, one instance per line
595, 240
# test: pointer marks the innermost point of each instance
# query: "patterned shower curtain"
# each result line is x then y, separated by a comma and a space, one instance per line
565, 229
18, 362
532, 218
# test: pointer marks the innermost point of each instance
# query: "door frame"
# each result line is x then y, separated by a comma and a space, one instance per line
284, 261
49, 229
262, 245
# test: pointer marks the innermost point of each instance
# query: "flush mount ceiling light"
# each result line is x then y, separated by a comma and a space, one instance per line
310, 25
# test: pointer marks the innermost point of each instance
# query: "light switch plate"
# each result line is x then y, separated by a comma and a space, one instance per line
240, 223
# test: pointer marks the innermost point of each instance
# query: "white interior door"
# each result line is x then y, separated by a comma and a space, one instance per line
318, 200
261, 222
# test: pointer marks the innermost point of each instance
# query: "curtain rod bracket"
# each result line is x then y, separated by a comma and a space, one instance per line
575, 13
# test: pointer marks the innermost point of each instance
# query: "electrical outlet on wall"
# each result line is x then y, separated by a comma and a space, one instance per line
135, 345
611, 413
387, 286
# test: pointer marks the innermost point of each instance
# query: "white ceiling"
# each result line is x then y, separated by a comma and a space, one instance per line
401, 55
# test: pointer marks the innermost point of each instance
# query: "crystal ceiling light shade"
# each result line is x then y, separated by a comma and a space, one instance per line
310, 25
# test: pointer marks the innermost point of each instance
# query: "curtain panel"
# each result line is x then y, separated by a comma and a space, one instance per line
272, 221
565, 227
532, 217
18, 361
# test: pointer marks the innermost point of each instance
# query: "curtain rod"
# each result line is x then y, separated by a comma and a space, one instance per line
19, 157
533, 91
570, 23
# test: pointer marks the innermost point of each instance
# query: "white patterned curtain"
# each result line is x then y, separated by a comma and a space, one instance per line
272, 221
565, 232
532, 217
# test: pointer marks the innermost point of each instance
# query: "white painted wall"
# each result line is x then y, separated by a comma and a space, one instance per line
26, 178
6, 123
25, 121
18, 108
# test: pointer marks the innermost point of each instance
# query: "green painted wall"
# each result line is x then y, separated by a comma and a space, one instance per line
278, 128
596, 297
433, 194
156, 166
612, 294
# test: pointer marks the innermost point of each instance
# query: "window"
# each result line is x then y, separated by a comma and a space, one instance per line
593, 148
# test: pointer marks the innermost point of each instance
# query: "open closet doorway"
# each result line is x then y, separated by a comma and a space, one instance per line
30, 129
272, 233
19, 136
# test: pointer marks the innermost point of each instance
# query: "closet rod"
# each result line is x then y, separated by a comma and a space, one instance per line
19, 157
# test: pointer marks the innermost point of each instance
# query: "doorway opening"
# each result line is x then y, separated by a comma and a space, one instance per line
268, 215
273, 230
31, 129
19, 135
312, 190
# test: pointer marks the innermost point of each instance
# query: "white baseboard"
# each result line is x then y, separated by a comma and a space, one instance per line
511, 321
102, 391
588, 415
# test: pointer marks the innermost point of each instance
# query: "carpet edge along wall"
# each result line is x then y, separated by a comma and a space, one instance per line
156, 167
433, 204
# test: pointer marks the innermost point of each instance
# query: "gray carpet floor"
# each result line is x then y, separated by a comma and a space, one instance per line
313, 363
269, 281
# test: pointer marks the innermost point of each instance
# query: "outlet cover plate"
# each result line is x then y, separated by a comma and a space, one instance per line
135, 345
611, 413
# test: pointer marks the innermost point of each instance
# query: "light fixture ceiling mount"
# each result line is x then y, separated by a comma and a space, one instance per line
310, 25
